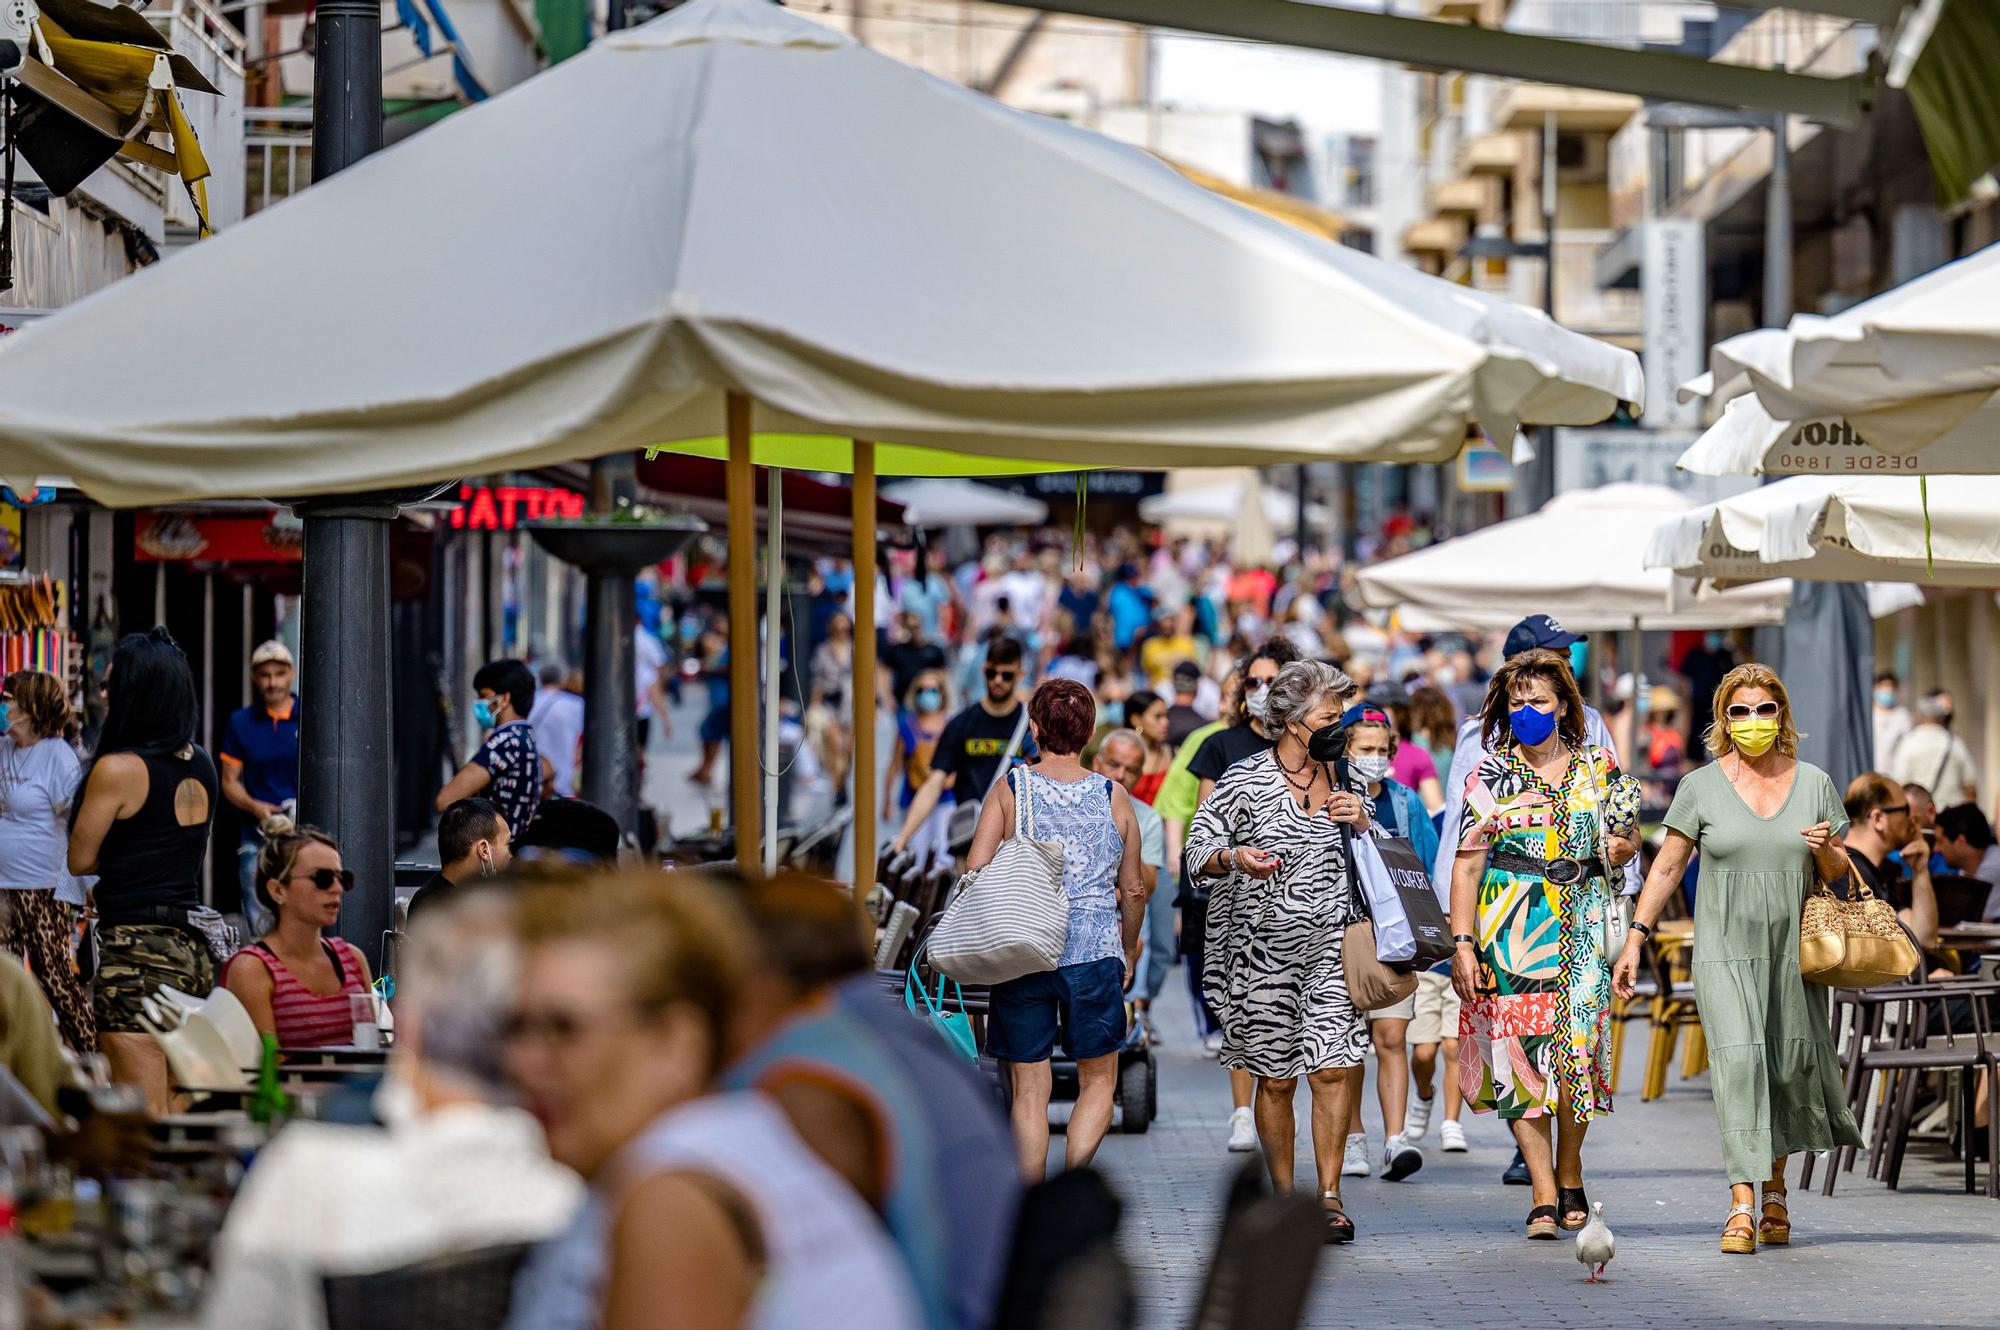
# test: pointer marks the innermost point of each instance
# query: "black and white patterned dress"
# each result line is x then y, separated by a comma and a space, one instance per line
1272, 969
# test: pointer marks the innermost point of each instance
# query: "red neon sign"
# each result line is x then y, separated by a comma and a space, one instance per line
502, 507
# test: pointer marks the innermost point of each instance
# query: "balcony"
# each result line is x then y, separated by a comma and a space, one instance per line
277, 155
1500, 153
1468, 196
1577, 110
200, 32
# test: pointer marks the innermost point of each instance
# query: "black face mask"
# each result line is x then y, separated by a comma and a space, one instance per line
1328, 744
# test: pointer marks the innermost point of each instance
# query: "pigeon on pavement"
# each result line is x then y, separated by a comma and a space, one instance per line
1595, 1244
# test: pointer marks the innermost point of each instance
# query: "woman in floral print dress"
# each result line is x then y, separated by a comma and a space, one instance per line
1530, 893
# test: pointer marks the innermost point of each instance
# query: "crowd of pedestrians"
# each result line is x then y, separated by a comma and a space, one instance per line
692, 1086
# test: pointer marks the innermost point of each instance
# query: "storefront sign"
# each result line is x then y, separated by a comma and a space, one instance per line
1484, 469
1836, 448
503, 507
1101, 484
274, 537
1588, 458
1673, 280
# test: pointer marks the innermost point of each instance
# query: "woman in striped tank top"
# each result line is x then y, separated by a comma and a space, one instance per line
295, 981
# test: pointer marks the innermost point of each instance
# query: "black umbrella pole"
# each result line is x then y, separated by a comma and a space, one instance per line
345, 760
347, 84
610, 764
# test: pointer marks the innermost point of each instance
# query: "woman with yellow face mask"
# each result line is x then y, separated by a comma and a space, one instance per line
1764, 823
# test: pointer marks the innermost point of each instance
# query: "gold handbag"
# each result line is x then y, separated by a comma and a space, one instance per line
1855, 943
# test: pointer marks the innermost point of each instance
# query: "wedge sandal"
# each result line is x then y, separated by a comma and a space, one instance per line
1740, 1241
1775, 1230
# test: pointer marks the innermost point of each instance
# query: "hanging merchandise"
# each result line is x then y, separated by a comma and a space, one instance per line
30, 634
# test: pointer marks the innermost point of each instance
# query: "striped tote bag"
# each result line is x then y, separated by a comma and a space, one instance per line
1011, 917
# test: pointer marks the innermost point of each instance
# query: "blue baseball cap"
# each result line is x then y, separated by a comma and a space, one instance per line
1539, 630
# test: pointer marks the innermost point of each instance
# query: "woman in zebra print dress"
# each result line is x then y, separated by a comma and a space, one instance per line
1268, 839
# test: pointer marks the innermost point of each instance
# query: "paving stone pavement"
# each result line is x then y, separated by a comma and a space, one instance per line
1445, 1247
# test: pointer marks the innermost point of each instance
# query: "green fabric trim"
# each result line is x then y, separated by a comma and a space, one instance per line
826, 452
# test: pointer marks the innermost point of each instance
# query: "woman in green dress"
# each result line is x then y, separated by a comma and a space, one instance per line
1762, 820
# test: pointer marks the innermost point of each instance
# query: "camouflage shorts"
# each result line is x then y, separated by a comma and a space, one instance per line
133, 960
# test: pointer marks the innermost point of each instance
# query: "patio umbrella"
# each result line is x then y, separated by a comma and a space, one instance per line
1904, 369
1747, 441
945, 501
1858, 529
1579, 558
785, 231
1219, 504
858, 247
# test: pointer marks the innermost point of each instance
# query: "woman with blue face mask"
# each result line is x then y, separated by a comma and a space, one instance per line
1537, 844
920, 723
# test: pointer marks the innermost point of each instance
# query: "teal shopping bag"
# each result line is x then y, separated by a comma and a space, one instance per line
954, 1026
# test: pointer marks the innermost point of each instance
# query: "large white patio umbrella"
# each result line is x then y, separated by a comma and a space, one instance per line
1220, 505
1747, 441
736, 221
1904, 369
948, 501
1579, 558
1856, 529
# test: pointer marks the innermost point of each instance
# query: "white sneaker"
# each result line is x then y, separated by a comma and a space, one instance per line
1242, 1132
1400, 1159
1354, 1163
1213, 1044
1417, 1119
1451, 1139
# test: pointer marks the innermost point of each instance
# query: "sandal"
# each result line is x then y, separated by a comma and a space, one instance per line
1571, 1200
1339, 1228
1775, 1230
1739, 1241
1542, 1223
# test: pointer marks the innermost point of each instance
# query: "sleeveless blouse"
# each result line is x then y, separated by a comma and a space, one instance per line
1078, 814
306, 1019
828, 1260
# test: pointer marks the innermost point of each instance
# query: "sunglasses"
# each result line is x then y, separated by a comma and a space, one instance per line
1890, 810
1744, 711
324, 878
1004, 676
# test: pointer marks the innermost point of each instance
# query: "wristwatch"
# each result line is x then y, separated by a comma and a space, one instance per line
1466, 938
1643, 930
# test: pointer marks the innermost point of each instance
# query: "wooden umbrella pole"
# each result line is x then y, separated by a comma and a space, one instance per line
864, 666
741, 488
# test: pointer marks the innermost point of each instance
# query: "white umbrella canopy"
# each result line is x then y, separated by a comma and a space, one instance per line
735, 198
1747, 441
1904, 368
1579, 558
1221, 504
942, 501
1858, 529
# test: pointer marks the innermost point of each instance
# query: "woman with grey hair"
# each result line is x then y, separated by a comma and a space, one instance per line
454, 1170
1279, 903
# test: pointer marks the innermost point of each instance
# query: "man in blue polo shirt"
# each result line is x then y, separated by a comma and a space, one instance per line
260, 762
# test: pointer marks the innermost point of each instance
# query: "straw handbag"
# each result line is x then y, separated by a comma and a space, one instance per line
1856, 943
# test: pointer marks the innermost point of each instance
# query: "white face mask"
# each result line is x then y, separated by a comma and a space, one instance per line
1254, 701
1372, 768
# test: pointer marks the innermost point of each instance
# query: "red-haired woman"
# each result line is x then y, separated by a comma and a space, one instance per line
1085, 993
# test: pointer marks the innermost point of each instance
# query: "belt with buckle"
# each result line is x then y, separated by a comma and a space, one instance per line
1563, 872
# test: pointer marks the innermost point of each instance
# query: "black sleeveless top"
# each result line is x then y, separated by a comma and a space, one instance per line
149, 861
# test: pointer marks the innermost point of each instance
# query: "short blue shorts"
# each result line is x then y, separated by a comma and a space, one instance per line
1086, 1001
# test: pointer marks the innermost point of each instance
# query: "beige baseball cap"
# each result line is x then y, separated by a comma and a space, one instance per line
270, 651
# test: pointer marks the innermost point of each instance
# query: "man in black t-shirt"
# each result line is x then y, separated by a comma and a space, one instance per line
973, 748
1182, 718
1246, 735
911, 655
